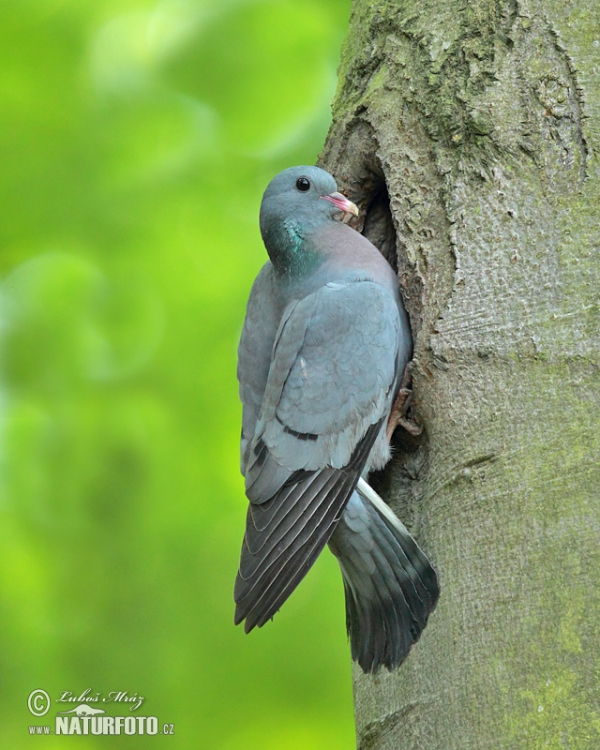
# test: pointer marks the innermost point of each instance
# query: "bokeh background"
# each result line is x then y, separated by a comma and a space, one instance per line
136, 138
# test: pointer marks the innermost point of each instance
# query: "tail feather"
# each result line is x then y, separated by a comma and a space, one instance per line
390, 586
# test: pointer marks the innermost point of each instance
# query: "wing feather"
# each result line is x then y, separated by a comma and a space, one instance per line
276, 556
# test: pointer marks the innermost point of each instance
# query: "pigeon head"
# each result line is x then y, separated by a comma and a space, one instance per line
297, 203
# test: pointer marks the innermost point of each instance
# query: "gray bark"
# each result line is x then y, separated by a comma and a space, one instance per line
467, 132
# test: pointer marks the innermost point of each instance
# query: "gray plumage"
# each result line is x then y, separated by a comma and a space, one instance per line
323, 348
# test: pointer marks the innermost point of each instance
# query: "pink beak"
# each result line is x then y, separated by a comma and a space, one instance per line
340, 201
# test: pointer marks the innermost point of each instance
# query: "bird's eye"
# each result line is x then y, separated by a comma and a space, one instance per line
302, 184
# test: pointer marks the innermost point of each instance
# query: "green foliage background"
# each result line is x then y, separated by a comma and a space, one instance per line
136, 139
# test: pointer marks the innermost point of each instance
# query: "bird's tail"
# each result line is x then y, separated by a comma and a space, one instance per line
391, 587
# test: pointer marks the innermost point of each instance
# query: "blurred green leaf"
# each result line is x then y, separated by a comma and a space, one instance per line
136, 140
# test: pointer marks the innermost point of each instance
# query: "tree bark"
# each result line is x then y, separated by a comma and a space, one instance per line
467, 132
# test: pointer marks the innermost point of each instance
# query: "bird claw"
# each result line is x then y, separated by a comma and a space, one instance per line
400, 409
412, 427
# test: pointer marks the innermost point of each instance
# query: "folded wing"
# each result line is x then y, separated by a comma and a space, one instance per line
332, 377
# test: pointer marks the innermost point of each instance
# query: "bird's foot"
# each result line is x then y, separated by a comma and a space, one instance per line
398, 415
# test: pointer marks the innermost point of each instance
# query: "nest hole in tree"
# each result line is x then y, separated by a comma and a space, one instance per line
378, 225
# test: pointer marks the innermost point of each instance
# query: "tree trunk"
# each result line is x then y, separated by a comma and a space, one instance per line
467, 132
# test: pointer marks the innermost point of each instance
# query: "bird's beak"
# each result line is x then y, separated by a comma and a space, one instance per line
340, 201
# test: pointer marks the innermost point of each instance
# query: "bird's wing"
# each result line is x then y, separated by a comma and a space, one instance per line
328, 393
